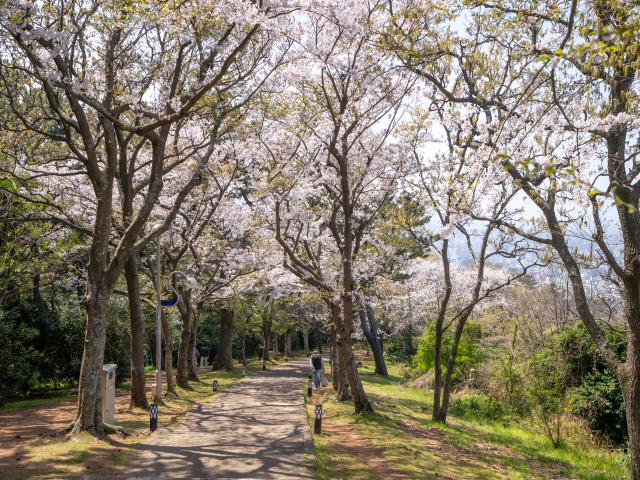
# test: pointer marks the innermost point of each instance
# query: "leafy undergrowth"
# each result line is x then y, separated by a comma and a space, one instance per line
402, 432
24, 454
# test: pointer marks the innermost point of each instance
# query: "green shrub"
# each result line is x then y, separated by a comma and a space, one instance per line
468, 357
480, 407
400, 348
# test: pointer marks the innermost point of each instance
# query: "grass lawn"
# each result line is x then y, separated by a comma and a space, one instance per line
33, 455
402, 433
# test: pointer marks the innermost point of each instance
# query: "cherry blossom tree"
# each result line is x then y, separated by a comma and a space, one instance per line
459, 190
551, 92
102, 90
332, 163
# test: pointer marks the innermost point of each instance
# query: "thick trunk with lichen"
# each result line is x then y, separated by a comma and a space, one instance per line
224, 357
305, 337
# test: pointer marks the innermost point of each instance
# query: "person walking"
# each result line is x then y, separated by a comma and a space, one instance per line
260, 352
317, 364
204, 356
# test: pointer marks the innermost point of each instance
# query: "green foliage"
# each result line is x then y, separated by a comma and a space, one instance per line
16, 357
547, 392
480, 407
596, 394
511, 391
567, 375
118, 347
468, 357
40, 349
400, 348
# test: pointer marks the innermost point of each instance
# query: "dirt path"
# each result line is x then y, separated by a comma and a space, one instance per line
362, 449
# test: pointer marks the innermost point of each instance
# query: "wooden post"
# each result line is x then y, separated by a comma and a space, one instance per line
215, 386
153, 417
317, 426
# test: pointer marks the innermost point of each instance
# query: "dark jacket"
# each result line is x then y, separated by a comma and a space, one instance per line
316, 362
204, 351
260, 349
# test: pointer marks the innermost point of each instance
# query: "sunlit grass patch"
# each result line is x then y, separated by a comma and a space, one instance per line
464, 448
37, 402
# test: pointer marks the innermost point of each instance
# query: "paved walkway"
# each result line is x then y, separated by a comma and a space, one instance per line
256, 429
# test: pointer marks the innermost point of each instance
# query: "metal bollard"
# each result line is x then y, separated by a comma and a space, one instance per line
309, 386
244, 372
215, 386
264, 365
317, 426
367, 352
310, 371
153, 417
286, 359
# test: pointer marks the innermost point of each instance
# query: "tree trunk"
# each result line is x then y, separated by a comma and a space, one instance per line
446, 391
340, 382
305, 336
224, 357
371, 335
275, 345
287, 346
319, 335
340, 379
346, 357
138, 380
244, 354
192, 363
229, 362
266, 332
89, 416
437, 367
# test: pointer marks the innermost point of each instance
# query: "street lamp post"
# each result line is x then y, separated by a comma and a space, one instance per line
158, 328
190, 283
